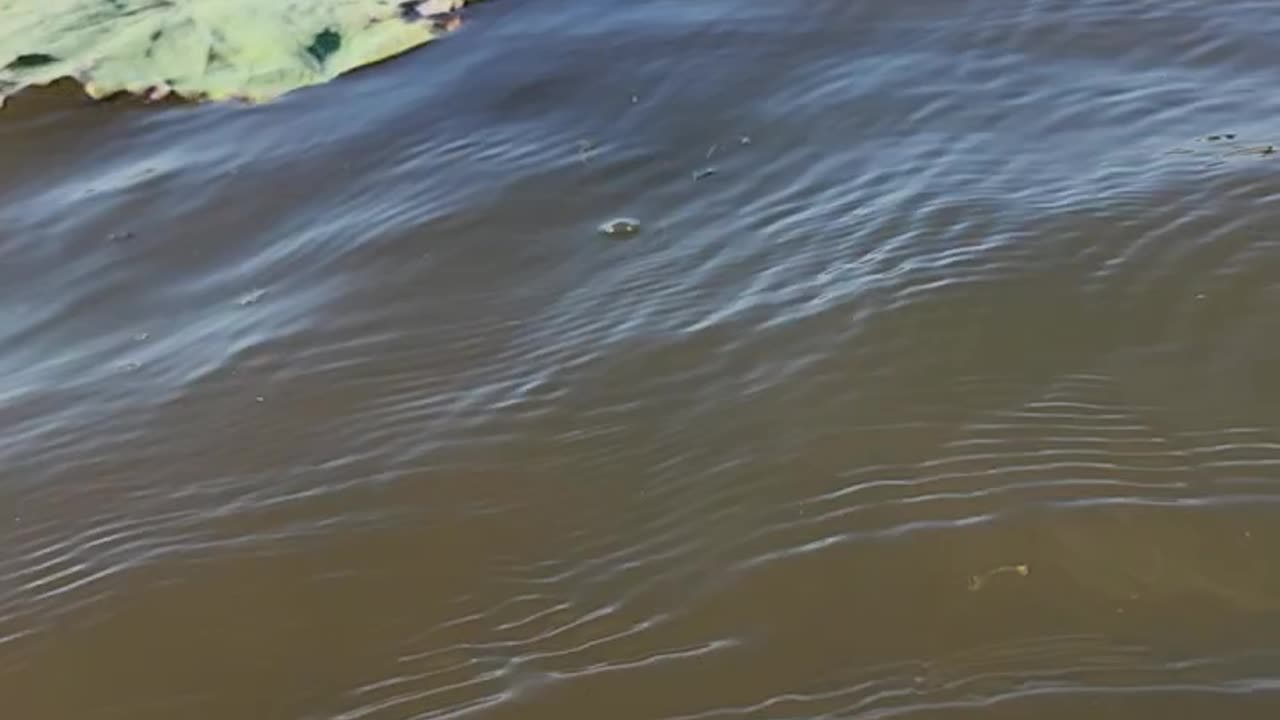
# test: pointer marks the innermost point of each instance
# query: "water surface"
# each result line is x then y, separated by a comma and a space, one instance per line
939, 381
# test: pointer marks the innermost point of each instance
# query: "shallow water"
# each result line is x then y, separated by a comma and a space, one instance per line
950, 393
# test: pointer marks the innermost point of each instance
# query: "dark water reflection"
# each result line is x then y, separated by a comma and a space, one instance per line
951, 392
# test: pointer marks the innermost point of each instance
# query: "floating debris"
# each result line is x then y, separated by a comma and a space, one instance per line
621, 227
1254, 150
251, 298
1226, 145
977, 582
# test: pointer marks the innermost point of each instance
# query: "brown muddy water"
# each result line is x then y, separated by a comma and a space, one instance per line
951, 393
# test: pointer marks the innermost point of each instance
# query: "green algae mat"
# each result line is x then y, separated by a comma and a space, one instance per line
251, 50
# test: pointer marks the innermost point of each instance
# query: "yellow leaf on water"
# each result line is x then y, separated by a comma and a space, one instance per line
254, 50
